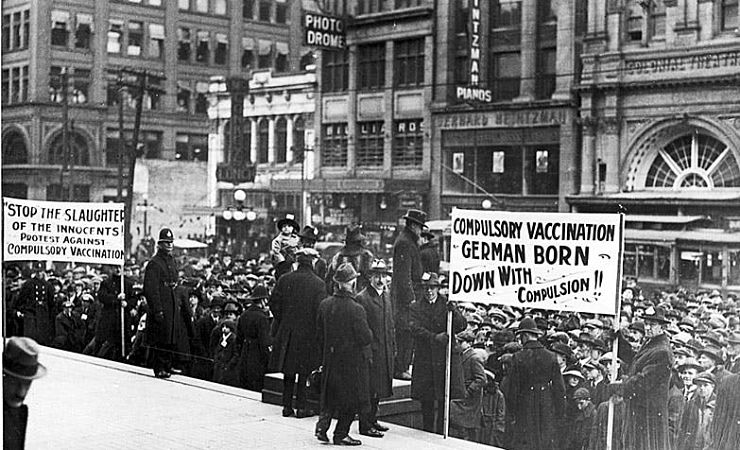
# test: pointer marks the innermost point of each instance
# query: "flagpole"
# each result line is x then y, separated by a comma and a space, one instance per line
447, 376
615, 344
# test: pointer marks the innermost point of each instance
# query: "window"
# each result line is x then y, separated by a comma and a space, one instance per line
202, 50
263, 141
17, 35
183, 4
201, 6
634, 22
59, 28
264, 54
156, 40
248, 9
5, 92
370, 144
83, 32
151, 97
281, 11
15, 85
647, 261
183, 98
408, 142
506, 14
281, 140
407, 3
657, 19
201, 97
733, 276
247, 53
541, 169
371, 6
80, 85
151, 141
409, 65
334, 145
80, 193
265, 8
335, 71
694, 160
154, 2
729, 15
281, 57
371, 66
55, 84
299, 139
221, 54
219, 7
506, 75
191, 147
15, 190
135, 38
6, 33
183, 46
545, 87
546, 11
77, 146
115, 35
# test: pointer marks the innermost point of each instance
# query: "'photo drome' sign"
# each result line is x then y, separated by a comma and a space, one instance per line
536, 260
63, 231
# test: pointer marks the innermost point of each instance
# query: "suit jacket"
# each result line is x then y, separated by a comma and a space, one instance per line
380, 319
407, 272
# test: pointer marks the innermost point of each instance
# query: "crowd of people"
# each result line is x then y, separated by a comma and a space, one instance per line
519, 378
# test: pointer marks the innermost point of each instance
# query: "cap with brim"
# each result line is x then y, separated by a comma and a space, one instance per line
345, 273
690, 363
499, 315
416, 215
562, 349
379, 266
706, 378
258, 293
581, 394
574, 373
607, 358
683, 351
713, 352
231, 306
429, 279
21, 359
655, 315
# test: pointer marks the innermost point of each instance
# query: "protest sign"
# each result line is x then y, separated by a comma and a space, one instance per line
549, 261
63, 231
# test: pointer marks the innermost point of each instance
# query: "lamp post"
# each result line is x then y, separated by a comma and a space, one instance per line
238, 213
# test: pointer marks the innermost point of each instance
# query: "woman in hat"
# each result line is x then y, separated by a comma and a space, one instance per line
253, 340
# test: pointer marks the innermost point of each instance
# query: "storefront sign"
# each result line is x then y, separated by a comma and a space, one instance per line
685, 63
473, 92
564, 262
235, 173
324, 31
502, 119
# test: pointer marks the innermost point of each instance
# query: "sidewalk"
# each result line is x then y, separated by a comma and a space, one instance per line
89, 403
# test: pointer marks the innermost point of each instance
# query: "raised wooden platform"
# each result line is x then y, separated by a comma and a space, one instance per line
399, 409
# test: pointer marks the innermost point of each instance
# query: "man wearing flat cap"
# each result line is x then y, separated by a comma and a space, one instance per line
407, 272
294, 304
20, 367
164, 323
344, 338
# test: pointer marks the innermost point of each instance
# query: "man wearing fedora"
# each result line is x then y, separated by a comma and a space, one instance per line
164, 321
20, 367
309, 235
535, 392
284, 245
428, 326
377, 304
295, 303
253, 340
354, 253
646, 387
407, 272
344, 338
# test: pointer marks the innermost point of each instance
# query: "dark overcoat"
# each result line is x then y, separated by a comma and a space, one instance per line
646, 397
467, 412
70, 333
36, 302
343, 335
254, 343
693, 429
15, 422
430, 257
201, 347
294, 304
109, 320
407, 272
725, 428
535, 395
159, 283
380, 319
226, 361
426, 320
360, 258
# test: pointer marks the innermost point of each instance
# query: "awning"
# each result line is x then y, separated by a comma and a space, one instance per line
683, 237
85, 19
265, 47
247, 43
188, 244
156, 31
59, 17
662, 219
281, 48
201, 87
222, 38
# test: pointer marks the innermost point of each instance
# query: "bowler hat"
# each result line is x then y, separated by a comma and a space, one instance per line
165, 235
21, 359
289, 219
416, 215
258, 293
429, 279
346, 272
310, 233
527, 325
354, 234
713, 352
379, 266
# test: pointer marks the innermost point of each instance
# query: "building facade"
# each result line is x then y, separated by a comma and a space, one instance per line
660, 118
180, 43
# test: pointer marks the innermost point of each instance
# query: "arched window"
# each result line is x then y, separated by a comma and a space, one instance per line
263, 140
78, 147
299, 139
14, 148
281, 140
694, 160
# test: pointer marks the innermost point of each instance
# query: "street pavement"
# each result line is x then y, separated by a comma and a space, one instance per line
89, 403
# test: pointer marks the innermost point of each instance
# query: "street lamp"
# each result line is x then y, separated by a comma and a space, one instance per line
486, 203
238, 213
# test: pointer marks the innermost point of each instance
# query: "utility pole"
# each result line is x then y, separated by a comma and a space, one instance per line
121, 141
65, 131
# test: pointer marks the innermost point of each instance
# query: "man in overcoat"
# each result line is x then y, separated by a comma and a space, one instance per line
35, 306
534, 392
428, 325
203, 361
164, 321
294, 304
253, 340
344, 338
646, 388
377, 304
108, 329
407, 272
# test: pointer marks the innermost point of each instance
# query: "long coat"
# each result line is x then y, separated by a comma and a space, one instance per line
159, 283
360, 258
380, 319
70, 332
254, 343
294, 304
226, 362
426, 320
36, 302
407, 272
201, 347
343, 335
467, 412
535, 395
597, 439
646, 397
109, 319
725, 429
693, 430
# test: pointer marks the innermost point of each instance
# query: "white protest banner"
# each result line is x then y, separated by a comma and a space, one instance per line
549, 261
63, 231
